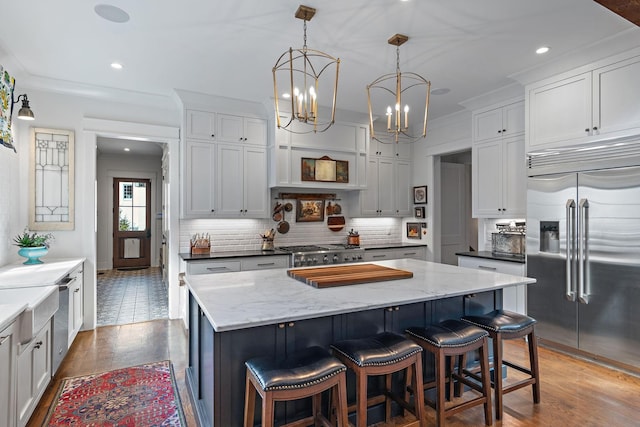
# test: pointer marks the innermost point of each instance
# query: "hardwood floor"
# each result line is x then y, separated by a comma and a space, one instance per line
574, 392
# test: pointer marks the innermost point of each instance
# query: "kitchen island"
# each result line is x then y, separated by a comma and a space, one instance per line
237, 316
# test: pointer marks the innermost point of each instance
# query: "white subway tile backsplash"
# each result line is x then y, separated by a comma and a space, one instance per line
244, 234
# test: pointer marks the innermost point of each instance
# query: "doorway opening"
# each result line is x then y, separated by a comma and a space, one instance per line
459, 231
130, 284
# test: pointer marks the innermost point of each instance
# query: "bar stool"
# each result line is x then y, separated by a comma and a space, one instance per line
383, 354
306, 374
452, 338
506, 325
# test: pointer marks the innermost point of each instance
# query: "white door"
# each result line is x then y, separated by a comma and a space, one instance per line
453, 212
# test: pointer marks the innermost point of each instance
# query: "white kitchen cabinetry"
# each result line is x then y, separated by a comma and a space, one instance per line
342, 141
242, 129
8, 357
237, 264
225, 176
584, 107
400, 151
381, 254
33, 373
200, 125
199, 180
387, 192
241, 182
514, 298
76, 303
499, 179
498, 122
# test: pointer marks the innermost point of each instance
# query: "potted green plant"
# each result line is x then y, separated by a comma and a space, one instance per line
32, 245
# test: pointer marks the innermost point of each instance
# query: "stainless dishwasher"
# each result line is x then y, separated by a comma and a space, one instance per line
60, 337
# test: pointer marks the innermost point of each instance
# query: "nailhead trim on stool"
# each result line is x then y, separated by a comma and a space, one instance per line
506, 325
452, 338
307, 373
384, 354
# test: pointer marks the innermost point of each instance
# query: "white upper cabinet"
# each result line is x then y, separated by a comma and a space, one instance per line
498, 162
345, 142
241, 182
387, 193
499, 179
247, 130
199, 180
200, 125
497, 123
585, 107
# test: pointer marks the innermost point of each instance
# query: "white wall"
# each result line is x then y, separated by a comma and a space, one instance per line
53, 110
445, 135
110, 166
10, 221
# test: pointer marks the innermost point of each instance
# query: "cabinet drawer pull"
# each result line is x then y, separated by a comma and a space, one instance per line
3, 339
264, 264
216, 268
379, 256
483, 267
410, 253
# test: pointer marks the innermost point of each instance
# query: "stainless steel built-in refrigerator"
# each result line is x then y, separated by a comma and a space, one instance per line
583, 247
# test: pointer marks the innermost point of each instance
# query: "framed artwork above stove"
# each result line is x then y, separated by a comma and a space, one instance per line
310, 210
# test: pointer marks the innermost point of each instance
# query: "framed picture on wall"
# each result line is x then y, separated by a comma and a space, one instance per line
413, 230
418, 211
420, 195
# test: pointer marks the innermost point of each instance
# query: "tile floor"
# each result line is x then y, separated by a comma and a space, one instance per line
131, 296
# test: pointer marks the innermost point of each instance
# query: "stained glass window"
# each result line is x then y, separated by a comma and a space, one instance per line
52, 179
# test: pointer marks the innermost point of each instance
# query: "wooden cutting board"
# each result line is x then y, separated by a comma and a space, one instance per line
327, 277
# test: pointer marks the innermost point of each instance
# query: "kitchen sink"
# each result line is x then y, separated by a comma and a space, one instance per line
42, 304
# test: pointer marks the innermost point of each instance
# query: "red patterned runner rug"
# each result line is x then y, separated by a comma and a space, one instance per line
139, 396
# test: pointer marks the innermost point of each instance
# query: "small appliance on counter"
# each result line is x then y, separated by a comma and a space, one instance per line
510, 239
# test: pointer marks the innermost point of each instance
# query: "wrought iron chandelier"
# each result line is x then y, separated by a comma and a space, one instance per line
387, 93
299, 72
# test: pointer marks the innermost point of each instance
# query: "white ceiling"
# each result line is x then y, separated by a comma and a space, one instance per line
228, 48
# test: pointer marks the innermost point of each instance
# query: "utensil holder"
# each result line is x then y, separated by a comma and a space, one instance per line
267, 244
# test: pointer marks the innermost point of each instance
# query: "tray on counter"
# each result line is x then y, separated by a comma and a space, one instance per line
326, 277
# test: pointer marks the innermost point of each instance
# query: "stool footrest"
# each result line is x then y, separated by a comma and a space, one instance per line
517, 367
518, 385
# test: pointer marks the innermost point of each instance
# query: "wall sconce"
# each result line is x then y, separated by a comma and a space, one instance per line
25, 112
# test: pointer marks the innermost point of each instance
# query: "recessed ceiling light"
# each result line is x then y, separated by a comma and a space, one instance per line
542, 49
127, 149
116, 66
111, 13
440, 91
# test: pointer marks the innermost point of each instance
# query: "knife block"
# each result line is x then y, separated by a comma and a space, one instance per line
200, 250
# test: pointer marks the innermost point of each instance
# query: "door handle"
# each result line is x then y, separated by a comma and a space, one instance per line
583, 252
570, 293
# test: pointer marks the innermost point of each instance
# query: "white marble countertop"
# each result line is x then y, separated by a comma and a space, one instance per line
18, 275
262, 297
10, 312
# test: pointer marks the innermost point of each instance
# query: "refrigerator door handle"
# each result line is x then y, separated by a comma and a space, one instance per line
570, 290
583, 252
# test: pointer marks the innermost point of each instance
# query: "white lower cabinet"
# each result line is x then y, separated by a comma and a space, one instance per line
76, 303
33, 373
237, 264
514, 298
8, 375
381, 254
